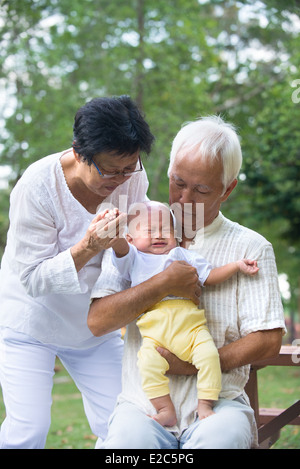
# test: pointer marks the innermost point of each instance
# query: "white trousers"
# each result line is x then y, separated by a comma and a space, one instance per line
26, 376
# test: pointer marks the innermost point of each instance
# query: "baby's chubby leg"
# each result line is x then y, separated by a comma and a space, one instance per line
166, 414
206, 359
205, 408
153, 368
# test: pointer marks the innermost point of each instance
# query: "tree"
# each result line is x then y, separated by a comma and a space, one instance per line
179, 60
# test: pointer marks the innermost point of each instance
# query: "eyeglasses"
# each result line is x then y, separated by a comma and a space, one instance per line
119, 173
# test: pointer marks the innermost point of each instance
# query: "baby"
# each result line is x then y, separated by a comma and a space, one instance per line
175, 324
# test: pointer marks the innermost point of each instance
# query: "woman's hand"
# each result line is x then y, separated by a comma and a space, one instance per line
100, 235
103, 230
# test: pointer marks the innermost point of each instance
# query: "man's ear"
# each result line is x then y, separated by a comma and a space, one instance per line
229, 190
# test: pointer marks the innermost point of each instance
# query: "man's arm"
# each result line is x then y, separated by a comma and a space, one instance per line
253, 347
112, 312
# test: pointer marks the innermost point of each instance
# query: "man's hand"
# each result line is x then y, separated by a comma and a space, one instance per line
112, 312
181, 279
176, 366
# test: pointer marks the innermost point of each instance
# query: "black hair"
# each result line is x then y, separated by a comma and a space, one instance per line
113, 125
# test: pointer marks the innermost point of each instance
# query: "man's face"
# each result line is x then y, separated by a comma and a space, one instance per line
195, 181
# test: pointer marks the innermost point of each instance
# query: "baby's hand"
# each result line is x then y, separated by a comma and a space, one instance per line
108, 225
112, 214
248, 266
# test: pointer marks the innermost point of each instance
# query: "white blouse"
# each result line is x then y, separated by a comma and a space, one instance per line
41, 293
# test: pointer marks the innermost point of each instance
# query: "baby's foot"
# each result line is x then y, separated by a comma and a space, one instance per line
166, 417
205, 408
166, 414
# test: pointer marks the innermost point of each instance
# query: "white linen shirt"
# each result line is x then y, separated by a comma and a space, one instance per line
233, 309
137, 266
41, 293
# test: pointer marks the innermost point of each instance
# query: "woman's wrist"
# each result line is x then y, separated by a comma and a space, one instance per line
82, 252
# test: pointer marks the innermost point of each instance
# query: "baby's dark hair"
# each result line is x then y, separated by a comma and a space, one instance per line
113, 125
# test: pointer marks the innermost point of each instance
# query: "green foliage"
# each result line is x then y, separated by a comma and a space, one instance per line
4, 208
179, 60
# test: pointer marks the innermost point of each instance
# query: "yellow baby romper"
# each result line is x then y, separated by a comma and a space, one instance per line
179, 326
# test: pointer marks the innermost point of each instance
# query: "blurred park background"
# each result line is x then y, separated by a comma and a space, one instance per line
179, 59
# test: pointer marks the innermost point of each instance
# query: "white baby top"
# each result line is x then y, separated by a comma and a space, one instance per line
138, 266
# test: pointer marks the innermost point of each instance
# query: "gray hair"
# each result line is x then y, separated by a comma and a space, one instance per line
211, 138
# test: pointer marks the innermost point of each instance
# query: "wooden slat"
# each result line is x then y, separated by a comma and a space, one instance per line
270, 421
267, 415
273, 427
285, 358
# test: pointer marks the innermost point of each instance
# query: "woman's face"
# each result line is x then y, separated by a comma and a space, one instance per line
108, 164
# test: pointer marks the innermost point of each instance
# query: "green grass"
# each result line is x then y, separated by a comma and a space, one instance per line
278, 387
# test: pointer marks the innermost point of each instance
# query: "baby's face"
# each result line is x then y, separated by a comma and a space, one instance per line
153, 232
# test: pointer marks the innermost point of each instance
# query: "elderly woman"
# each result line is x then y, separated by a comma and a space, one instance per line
52, 259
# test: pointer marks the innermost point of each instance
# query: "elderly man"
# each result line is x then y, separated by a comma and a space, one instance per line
244, 315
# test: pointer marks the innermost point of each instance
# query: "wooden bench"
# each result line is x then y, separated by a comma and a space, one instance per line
270, 421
